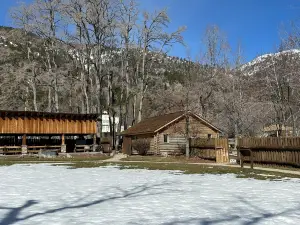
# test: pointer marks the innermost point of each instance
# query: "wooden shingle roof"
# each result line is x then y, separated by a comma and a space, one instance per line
154, 124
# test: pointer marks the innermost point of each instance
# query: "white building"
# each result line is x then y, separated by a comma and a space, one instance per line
105, 123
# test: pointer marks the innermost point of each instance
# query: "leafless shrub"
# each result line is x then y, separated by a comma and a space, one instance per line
141, 145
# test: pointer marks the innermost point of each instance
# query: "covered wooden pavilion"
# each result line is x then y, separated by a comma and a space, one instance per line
26, 131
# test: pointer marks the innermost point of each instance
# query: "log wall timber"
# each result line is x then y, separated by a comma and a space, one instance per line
176, 133
196, 129
174, 145
46, 123
152, 146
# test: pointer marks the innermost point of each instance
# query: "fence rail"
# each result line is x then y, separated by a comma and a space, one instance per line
271, 150
270, 143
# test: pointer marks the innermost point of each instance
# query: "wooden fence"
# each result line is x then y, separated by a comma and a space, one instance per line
212, 149
271, 150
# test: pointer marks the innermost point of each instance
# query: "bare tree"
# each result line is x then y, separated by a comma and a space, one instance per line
155, 39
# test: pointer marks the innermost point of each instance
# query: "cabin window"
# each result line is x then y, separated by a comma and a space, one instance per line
209, 136
166, 138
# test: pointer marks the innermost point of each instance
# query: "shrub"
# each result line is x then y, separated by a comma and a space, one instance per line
142, 146
182, 148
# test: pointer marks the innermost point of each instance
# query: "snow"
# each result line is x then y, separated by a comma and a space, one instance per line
45, 194
265, 56
257, 62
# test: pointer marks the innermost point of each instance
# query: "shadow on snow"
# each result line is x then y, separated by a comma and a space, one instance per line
247, 214
241, 217
13, 216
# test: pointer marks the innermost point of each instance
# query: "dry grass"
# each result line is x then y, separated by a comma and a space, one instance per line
189, 169
166, 159
180, 166
34, 159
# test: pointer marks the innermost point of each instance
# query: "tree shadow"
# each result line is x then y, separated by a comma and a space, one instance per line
14, 212
248, 212
261, 213
13, 216
258, 214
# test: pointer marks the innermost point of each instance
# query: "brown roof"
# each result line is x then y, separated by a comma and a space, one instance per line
154, 124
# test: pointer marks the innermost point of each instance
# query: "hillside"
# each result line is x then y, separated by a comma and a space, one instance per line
23, 61
27, 82
266, 61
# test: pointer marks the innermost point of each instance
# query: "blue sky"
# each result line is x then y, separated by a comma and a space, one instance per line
253, 23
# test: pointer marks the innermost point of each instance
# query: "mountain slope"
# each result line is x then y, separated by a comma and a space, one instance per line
265, 61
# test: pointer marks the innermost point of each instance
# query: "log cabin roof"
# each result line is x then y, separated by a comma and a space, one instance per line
34, 114
154, 124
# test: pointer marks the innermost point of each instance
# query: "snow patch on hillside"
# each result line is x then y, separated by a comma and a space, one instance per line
261, 62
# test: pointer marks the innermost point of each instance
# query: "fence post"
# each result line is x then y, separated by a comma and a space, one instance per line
241, 158
251, 156
24, 145
63, 147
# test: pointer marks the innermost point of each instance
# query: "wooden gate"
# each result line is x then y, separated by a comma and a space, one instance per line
222, 154
213, 148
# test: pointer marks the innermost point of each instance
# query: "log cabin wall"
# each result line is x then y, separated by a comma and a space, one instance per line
176, 134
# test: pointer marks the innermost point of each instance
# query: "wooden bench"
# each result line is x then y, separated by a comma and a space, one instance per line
36, 149
82, 148
10, 149
241, 155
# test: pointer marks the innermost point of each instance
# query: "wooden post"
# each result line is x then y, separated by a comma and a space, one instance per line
63, 147
24, 139
241, 159
24, 146
94, 142
251, 156
62, 139
94, 139
16, 140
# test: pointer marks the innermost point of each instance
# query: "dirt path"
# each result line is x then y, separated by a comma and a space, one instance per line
116, 158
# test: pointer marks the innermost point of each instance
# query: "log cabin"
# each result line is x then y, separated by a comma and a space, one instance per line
167, 133
25, 131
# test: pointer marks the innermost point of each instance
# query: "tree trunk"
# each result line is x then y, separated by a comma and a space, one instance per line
134, 110
140, 109
143, 85
85, 94
49, 99
187, 137
34, 96
56, 94
114, 131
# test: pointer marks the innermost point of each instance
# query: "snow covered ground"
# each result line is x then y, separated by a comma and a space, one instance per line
45, 194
